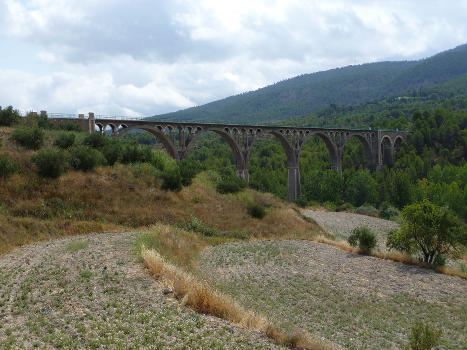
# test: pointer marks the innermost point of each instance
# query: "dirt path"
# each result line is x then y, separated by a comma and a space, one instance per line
359, 302
90, 292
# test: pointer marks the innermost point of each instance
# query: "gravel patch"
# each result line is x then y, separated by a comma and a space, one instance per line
341, 224
91, 292
357, 301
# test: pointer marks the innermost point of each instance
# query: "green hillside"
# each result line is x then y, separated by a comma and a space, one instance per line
341, 86
390, 112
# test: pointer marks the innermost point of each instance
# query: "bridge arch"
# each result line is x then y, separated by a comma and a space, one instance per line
169, 146
366, 147
387, 150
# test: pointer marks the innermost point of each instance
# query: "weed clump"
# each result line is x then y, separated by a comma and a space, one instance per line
423, 337
256, 211
30, 138
7, 167
362, 237
50, 163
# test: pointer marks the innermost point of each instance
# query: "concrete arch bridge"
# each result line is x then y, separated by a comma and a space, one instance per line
178, 137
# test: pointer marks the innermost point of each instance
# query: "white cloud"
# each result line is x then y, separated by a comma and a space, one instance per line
148, 57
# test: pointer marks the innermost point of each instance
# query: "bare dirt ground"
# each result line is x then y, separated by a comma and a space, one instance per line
341, 224
91, 292
356, 301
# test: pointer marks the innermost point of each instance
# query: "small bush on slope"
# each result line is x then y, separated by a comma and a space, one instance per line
364, 238
50, 163
7, 167
30, 138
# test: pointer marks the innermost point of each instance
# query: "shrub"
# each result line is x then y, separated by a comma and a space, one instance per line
85, 158
134, 153
171, 178
188, 170
95, 140
428, 230
65, 140
197, 225
8, 116
301, 201
256, 211
7, 167
387, 211
367, 210
31, 138
230, 184
423, 337
345, 207
50, 163
112, 152
362, 237
70, 126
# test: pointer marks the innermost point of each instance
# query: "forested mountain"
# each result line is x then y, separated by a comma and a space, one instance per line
390, 112
341, 86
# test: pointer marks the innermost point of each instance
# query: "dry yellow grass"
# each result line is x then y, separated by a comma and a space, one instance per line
394, 256
202, 298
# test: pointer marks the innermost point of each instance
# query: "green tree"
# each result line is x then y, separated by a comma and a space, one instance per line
429, 230
361, 188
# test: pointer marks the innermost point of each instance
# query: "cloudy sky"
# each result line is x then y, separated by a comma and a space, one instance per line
144, 57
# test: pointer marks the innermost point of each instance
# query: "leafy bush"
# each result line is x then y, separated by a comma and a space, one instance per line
31, 138
50, 163
7, 167
85, 158
70, 126
345, 207
423, 337
387, 211
171, 178
8, 116
196, 225
65, 140
256, 211
188, 170
362, 237
230, 184
302, 201
134, 153
112, 152
367, 210
428, 230
95, 140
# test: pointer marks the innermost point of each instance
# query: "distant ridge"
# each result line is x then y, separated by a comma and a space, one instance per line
349, 85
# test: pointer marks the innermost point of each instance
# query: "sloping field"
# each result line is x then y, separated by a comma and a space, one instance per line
356, 301
341, 224
90, 292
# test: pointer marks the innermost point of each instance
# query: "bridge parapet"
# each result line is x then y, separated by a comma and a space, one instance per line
179, 137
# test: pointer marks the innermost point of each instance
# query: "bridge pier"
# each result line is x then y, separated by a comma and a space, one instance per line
293, 183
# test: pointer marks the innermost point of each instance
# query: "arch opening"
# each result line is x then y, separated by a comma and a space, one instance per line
386, 151
169, 146
356, 154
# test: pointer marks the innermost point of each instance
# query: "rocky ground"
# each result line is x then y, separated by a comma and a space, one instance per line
91, 292
341, 224
356, 301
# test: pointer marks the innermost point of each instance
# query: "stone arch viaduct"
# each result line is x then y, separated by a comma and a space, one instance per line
178, 137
